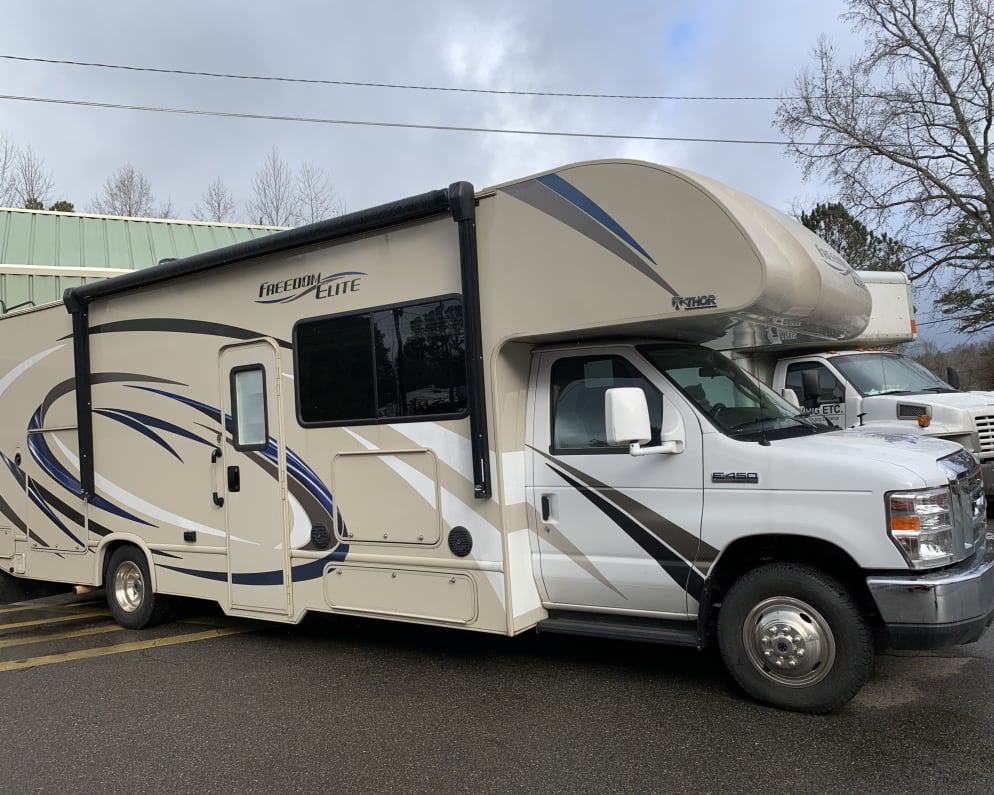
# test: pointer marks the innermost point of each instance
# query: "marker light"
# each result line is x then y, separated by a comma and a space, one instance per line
924, 420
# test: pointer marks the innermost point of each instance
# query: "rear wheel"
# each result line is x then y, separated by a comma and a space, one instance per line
129, 591
794, 637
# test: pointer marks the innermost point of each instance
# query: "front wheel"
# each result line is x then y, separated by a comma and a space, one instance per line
130, 597
794, 637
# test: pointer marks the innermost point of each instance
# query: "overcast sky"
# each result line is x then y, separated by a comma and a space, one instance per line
631, 47
718, 48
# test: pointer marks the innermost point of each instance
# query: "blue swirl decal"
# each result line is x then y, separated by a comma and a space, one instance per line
299, 573
45, 459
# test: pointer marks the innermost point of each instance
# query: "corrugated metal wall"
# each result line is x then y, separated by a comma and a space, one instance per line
43, 240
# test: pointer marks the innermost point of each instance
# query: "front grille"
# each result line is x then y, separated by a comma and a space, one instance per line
969, 507
985, 430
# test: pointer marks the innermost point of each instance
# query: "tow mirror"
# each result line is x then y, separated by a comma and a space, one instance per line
791, 397
952, 377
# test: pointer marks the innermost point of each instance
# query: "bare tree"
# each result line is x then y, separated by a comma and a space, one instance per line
904, 132
33, 184
274, 201
128, 192
216, 204
315, 197
8, 171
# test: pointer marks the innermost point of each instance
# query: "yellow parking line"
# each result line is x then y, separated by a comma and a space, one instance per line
138, 645
54, 620
75, 633
22, 608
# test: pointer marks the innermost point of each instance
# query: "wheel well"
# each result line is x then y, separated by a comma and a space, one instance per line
746, 554
108, 553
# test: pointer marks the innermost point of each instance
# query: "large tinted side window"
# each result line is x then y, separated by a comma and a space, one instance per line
405, 361
335, 369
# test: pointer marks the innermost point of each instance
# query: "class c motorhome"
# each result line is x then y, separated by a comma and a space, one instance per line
492, 411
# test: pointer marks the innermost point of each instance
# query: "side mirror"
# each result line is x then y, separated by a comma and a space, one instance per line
811, 386
626, 413
791, 397
626, 418
952, 377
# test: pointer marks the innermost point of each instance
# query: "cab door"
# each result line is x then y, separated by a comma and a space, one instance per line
615, 532
253, 475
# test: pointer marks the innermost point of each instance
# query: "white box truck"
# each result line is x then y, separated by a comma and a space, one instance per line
859, 383
492, 411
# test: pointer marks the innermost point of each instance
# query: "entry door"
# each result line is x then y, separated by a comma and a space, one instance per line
615, 532
253, 477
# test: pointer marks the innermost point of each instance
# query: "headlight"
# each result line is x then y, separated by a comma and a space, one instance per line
921, 524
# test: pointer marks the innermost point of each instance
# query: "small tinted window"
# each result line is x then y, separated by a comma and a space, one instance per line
407, 361
578, 387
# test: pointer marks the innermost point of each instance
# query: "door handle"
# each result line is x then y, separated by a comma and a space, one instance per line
546, 507
234, 479
215, 455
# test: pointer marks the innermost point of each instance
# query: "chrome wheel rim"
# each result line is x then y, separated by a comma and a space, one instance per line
789, 642
129, 586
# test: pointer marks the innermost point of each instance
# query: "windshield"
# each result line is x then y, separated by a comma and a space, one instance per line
881, 373
735, 402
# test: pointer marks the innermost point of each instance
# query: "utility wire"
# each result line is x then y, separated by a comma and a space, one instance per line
359, 84
442, 127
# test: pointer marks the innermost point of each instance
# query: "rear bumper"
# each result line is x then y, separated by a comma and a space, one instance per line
937, 609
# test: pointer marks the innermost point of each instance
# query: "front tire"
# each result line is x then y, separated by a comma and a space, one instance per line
132, 602
794, 637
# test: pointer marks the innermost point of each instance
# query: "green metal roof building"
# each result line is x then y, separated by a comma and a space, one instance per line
42, 253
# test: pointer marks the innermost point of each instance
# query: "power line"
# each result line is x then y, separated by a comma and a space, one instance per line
401, 86
403, 125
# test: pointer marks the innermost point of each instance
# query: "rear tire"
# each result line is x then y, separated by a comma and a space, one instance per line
794, 637
130, 597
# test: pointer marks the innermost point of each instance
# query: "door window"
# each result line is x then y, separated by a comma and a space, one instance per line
248, 408
579, 385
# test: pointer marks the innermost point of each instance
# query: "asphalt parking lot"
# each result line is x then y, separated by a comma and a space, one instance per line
213, 704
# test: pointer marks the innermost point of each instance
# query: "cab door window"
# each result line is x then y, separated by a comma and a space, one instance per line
578, 387
830, 389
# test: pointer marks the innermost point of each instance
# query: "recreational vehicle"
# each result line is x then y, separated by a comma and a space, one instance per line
497, 411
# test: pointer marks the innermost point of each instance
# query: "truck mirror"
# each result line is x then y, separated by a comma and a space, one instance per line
791, 397
952, 377
626, 414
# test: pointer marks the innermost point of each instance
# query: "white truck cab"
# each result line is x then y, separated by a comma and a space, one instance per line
876, 388
734, 493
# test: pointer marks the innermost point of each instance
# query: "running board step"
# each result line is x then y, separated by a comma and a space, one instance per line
600, 625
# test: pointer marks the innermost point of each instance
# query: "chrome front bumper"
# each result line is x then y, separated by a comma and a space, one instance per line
933, 610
